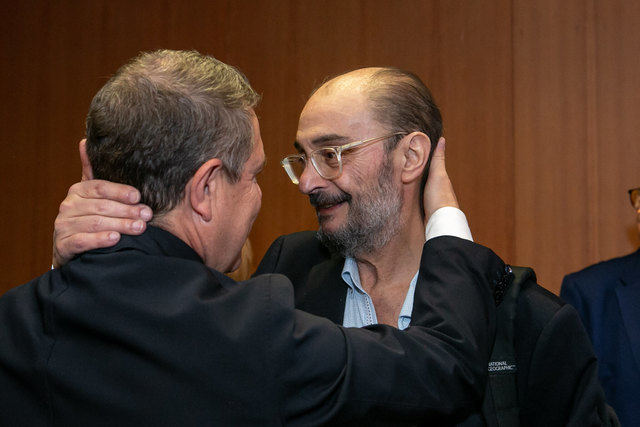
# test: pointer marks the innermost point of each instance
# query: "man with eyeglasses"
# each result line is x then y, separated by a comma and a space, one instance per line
364, 143
607, 297
364, 170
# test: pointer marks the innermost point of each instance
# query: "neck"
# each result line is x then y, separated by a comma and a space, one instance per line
395, 264
173, 222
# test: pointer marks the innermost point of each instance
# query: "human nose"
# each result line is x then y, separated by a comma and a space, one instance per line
310, 179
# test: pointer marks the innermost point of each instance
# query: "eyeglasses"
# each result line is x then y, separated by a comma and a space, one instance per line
634, 197
327, 161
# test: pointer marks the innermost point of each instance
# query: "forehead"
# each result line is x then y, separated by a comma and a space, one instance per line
341, 111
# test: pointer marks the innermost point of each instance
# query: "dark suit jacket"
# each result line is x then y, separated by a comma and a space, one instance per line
145, 334
557, 374
607, 297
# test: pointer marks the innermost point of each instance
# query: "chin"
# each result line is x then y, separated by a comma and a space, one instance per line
329, 223
326, 230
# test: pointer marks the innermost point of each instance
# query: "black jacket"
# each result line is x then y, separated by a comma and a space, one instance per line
145, 334
557, 370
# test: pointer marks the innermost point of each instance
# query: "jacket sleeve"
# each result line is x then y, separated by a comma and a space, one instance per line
434, 369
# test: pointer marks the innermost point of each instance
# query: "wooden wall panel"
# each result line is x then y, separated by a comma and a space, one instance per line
617, 91
575, 95
552, 145
474, 89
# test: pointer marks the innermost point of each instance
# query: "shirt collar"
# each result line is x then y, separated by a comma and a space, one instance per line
351, 276
407, 306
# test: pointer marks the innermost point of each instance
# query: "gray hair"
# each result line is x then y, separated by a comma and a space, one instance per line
403, 103
163, 115
401, 100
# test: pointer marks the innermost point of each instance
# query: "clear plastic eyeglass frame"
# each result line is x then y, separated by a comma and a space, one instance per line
327, 161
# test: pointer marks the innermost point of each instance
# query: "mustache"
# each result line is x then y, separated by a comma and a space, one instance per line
324, 199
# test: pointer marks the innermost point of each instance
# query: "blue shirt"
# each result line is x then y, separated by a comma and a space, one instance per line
359, 310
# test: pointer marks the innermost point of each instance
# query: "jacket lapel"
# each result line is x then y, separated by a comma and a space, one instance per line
628, 293
325, 291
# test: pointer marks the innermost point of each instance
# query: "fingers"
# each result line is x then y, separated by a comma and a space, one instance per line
86, 224
70, 246
98, 189
75, 207
76, 234
87, 170
67, 226
93, 215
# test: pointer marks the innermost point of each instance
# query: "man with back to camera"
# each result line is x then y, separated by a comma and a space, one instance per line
361, 139
607, 297
150, 332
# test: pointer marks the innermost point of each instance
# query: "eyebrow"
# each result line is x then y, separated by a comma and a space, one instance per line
330, 139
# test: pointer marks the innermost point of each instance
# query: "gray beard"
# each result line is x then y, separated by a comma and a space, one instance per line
373, 219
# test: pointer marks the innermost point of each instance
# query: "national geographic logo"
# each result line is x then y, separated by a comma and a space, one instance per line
502, 366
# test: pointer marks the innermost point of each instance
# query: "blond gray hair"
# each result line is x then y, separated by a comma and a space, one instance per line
163, 115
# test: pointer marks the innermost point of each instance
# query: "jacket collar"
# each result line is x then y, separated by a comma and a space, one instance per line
154, 241
325, 292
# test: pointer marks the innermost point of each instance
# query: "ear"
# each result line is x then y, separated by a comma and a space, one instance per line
415, 150
87, 170
200, 188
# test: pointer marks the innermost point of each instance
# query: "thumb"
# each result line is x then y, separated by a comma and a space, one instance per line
438, 192
87, 170
437, 160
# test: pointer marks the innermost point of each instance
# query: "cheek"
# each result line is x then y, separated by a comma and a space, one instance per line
351, 182
252, 204
258, 197
361, 171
